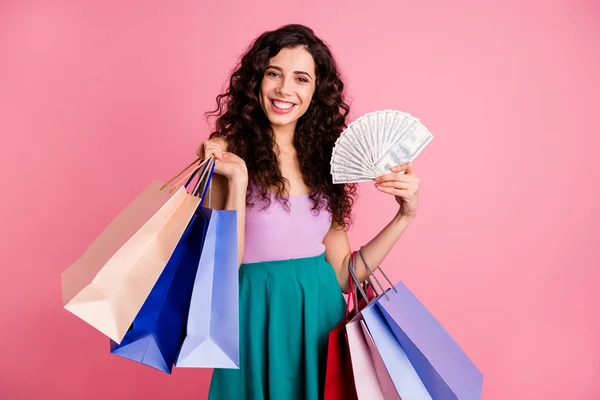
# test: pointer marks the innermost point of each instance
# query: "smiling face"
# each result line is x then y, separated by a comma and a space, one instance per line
288, 86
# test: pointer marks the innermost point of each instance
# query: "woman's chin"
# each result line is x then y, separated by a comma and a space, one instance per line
282, 120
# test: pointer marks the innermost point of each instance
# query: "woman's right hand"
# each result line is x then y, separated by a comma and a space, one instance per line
227, 164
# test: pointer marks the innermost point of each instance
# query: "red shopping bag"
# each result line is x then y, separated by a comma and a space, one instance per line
339, 378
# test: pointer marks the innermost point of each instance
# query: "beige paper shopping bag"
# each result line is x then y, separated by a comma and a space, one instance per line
108, 284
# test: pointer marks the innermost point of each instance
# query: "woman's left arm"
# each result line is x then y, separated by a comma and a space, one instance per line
405, 188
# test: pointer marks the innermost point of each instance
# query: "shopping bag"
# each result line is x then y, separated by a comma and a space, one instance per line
156, 333
108, 284
445, 369
390, 360
212, 332
363, 368
339, 378
411, 340
407, 382
386, 385
339, 375
371, 379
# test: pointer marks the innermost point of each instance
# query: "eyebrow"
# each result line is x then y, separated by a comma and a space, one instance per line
295, 72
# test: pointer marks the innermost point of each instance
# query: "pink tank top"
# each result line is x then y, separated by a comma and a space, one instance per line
279, 234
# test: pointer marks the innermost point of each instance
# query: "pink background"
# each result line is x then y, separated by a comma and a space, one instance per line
98, 98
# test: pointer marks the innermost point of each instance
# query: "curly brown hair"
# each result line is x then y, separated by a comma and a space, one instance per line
244, 125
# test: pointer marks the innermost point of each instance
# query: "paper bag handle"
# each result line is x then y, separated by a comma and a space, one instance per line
182, 171
207, 172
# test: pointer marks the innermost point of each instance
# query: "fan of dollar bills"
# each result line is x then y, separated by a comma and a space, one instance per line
376, 142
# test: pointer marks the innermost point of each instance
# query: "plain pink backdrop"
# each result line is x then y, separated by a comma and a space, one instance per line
98, 98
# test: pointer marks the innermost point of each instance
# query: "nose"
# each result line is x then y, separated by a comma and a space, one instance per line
285, 87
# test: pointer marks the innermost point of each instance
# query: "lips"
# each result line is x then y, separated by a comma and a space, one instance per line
282, 107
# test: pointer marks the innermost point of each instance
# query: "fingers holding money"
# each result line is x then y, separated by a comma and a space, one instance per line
398, 185
403, 194
400, 182
405, 168
401, 173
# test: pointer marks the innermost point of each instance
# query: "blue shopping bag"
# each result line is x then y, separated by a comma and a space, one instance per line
443, 366
212, 335
157, 330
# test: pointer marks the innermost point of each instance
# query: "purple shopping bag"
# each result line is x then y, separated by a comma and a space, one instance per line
212, 335
445, 369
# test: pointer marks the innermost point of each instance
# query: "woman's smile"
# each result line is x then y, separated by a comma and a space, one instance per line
282, 107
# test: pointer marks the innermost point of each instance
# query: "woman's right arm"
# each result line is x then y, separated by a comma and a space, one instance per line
229, 184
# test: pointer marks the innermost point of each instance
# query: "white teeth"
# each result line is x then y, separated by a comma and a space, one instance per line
282, 105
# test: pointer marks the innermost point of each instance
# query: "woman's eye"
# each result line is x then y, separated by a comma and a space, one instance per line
271, 73
303, 80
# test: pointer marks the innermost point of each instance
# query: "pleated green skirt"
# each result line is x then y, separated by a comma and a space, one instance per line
287, 309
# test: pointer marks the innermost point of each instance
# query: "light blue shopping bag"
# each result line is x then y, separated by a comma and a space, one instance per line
212, 334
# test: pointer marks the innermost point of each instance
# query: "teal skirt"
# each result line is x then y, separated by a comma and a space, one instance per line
287, 309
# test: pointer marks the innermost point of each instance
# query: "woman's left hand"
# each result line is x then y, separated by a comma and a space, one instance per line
404, 185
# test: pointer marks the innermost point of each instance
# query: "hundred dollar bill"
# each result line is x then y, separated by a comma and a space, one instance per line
364, 134
346, 155
346, 178
355, 139
406, 148
342, 169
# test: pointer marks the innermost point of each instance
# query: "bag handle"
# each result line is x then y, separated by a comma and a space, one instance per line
183, 171
351, 290
352, 295
367, 290
207, 182
355, 285
191, 173
205, 169
357, 282
362, 256
201, 181
194, 173
201, 177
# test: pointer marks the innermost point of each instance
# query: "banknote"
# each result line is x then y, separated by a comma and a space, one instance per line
342, 178
357, 143
349, 170
347, 158
374, 143
405, 149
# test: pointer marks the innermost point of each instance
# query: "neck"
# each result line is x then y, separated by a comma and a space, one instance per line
284, 135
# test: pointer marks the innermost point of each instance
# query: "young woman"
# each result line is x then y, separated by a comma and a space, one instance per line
276, 127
